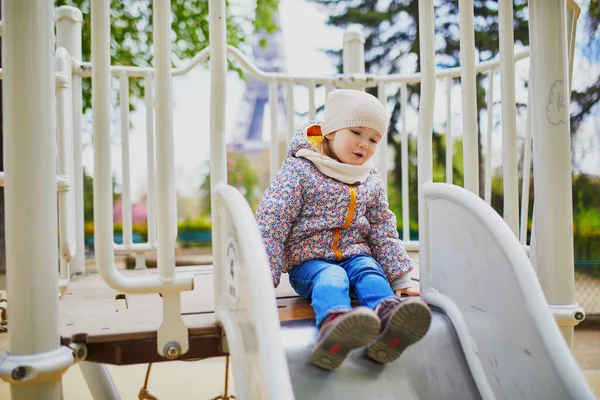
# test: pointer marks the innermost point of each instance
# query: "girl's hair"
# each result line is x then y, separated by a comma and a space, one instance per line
324, 147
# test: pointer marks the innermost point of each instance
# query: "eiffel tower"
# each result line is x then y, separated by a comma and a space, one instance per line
248, 134
248, 138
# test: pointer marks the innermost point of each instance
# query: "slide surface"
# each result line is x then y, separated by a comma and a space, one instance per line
434, 368
493, 335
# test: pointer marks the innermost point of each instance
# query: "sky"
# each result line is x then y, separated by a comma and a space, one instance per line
303, 55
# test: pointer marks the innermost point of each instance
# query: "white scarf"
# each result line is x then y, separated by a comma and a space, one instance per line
346, 173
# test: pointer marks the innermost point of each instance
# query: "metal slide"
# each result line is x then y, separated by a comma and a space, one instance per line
434, 368
493, 335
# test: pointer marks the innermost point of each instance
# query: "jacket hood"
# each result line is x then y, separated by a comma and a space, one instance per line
301, 140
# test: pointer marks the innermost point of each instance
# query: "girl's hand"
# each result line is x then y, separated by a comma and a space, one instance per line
408, 292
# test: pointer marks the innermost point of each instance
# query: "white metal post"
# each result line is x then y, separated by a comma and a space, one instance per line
382, 151
289, 104
218, 151
526, 171
172, 334
573, 11
150, 159
274, 147
30, 183
425, 138
405, 163
312, 110
103, 207
164, 138
552, 159
488, 137
126, 209
449, 141
354, 54
68, 35
103, 218
99, 382
64, 141
469, 96
509, 116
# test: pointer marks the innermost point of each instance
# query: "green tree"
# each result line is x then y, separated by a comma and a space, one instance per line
239, 175
391, 36
88, 196
131, 32
584, 101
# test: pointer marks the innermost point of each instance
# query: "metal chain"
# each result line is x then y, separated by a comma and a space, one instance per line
144, 394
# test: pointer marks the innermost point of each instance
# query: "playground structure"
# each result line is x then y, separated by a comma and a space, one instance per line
496, 301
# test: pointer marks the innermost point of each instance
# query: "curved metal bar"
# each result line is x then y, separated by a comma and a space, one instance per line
464, 337
257, 301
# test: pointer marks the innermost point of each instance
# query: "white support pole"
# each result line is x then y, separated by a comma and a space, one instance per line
64, 146
552, 157
405, 163
274, 146
172, 335
218, 151
354, 54
103, 207
289, 104
150, 159
165, 165
99, 382
509, 116
488, 138
526, 172
449, 141
383, 145
68, 35
126, 212
425, 135
312, 110
573, 11
469, 95
30, 186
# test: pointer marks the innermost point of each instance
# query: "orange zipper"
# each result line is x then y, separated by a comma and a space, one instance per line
349, 217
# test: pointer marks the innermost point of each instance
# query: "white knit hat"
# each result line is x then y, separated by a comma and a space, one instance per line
347, 108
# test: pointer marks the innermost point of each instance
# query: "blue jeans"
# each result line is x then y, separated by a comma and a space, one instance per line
328, 284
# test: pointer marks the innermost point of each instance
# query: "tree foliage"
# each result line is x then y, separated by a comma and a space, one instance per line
585, 100
88, 196
132, 27
391, 37
239, 175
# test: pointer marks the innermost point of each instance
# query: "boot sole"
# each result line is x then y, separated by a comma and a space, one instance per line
357, 329
406, 326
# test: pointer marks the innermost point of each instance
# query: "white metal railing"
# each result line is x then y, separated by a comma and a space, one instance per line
65, 169
36, 169
425, 145
172, 337
356, 79
69, 31
245, 302
65, 175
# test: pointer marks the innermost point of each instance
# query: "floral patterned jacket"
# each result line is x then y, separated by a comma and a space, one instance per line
306, 215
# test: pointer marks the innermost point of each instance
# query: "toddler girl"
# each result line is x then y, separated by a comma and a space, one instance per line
325, 221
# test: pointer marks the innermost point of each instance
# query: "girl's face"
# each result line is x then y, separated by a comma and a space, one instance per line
354, 145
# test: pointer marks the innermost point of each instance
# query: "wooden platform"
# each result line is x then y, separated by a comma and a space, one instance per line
121, 329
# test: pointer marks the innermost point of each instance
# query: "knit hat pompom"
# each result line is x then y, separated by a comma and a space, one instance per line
347, 108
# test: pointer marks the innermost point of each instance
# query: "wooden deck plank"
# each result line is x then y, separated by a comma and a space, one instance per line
90, 313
